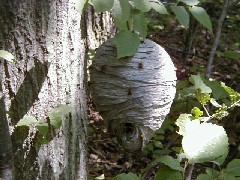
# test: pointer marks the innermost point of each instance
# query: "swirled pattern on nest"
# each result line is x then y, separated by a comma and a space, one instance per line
133, 94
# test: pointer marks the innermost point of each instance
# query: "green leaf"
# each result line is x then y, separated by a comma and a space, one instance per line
220, 160
102, 5
171, 162
234, 96
218, 92
203, 98
212, 172
190, 2
140, 24
166, 173
142, 5
197, 112
232, 55
181, 123
121, 13
129, 176
233, 167
57, 113
7, 56
158, 6
158, 144
199, 84
43, 140
100, 177
204, 142
127, 43
42, 127
215, 103
201, 15
181, 15
27, 121
227, 176
204, 177
80, 5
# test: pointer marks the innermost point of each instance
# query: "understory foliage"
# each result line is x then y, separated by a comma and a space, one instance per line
131, 19
202, 102
203, 140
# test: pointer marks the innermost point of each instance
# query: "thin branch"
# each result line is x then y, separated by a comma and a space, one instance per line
188, 172
234, 3
217, 38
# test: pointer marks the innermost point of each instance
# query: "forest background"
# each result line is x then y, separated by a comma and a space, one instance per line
195, 49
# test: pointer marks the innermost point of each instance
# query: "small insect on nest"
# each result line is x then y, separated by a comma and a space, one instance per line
133, 94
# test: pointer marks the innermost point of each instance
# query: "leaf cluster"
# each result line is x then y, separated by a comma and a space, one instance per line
55, 120
131, 21
202, 140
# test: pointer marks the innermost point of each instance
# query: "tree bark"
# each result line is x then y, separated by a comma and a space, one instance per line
50, 41
6, 156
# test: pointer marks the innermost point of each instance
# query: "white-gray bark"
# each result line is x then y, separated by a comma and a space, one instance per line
50, 41
133, 94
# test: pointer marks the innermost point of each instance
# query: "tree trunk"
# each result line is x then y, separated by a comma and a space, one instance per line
49, 40
6, 156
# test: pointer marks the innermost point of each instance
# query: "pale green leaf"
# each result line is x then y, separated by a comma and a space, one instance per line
220, 160
121, 13
204, 142
6, 55
199, 84
201, 15
190, 2
234, 96
140, 24
181, 15
102, 5
166, 173
232, 55
181, 123
27, 121
55, 118
215, 103
57, 113
158, 6
196, 112
80, 5
100, 177
171, 162
65, 109
234, 167
129, 176
213, 172
142, 5
127, 43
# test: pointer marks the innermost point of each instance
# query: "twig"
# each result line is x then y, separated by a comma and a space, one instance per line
234, 3
217, 38
188, 172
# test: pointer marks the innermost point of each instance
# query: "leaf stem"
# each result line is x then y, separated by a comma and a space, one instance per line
234, 104
205, 109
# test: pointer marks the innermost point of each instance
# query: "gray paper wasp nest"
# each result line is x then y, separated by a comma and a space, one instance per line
133, 95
